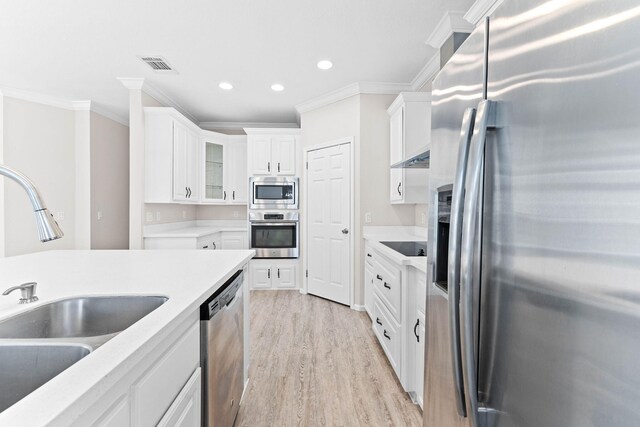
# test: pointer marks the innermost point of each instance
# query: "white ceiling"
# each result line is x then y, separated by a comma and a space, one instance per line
75, 49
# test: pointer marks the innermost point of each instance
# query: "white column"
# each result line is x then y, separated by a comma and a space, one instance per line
136, 160
83, 173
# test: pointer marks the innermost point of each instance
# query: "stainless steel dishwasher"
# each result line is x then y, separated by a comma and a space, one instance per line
222, 353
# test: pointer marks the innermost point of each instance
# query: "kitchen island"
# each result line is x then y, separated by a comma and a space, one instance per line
106, 386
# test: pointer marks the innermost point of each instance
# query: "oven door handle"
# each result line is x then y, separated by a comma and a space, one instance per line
277, 224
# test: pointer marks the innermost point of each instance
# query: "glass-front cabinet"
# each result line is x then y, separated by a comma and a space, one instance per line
214, 171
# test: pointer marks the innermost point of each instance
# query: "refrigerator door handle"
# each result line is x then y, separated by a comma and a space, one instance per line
453, 274
485, 119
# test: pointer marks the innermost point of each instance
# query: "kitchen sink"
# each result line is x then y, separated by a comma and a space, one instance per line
25, 367
80, 317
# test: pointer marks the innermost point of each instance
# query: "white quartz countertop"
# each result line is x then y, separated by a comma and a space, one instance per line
375, 237
64, 274
192, 231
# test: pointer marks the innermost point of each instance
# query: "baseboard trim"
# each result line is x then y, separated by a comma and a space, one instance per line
358, 307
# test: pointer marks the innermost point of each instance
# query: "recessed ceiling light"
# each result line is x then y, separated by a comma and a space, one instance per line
325, 64
226, 86
277, 87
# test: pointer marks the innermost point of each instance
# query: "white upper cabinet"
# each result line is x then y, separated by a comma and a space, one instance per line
171, 157
224, 169
237, 179
273, 152
410, 130
186, 164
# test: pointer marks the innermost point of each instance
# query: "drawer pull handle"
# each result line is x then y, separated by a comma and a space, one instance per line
386, 285
378, 321
378, 277
386, 335
415, 328
369, 255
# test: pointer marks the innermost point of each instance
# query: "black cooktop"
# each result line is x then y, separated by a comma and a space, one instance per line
408, 248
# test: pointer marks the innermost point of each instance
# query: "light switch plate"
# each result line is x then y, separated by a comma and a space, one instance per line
367, 217
149, 216
423, 218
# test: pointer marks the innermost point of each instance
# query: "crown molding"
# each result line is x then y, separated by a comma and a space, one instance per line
167, 101
451, 22
481, 9
273, 131
350, 90
427, 73
81, 105
131, 83
243, 125
110, 115
40, 98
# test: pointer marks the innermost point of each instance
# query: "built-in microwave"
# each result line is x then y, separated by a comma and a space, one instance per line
273, 193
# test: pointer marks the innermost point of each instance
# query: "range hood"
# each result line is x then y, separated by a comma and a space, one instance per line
421, 160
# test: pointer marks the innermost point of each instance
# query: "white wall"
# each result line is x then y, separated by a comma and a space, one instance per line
109, 183
365, 118
39, 140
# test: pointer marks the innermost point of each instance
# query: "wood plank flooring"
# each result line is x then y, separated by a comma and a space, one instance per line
318, 363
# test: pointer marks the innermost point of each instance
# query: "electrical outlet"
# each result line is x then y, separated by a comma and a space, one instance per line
157, 216
367, 218
235, 214
99, 215
184, 214
149, 216
423, 218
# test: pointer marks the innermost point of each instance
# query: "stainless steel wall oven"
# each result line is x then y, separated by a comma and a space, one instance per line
274, 234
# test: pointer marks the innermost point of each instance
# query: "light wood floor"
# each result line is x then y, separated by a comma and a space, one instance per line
317, 363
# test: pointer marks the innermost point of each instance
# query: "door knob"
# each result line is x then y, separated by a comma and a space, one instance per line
345, 231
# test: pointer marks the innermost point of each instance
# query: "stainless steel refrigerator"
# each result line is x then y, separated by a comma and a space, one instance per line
534, 233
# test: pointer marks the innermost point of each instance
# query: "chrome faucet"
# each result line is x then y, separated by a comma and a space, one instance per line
48, 228
28, 291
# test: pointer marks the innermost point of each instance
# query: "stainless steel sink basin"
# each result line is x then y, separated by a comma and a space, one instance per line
80, 317
24, 368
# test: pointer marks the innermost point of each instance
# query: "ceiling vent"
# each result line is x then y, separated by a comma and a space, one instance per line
157, 64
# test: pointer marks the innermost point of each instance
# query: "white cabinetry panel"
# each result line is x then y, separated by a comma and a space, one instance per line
186, 409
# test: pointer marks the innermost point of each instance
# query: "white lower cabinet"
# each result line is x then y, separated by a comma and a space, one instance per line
418, 349
117, 416
394, 296
163, 387
273, 274
185, 410
233, 240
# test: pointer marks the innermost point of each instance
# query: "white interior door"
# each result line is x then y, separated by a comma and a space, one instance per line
329, 219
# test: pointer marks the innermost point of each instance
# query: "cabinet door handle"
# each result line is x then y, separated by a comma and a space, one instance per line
224, 195
415, 329
378, 321
369, 255
205, 247
269, 273
214, 245
399, 185
233, 194
386, 335
186, 192
268, 166
386, 285
378, 277
189, 192
278, 273
278, 166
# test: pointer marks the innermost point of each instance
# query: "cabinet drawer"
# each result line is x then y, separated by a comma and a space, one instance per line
388, 333
158, 388
388, 284
369, 255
